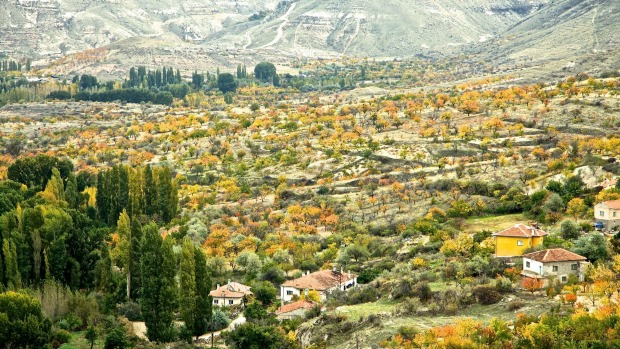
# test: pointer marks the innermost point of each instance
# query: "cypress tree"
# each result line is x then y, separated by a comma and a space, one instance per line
187, 281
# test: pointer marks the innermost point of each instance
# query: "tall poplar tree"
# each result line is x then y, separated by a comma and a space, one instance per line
203, 299
136, 246
150, 192
123, 247
187, 281
159, 287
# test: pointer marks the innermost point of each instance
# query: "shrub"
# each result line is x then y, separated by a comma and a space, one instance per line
312, 313
130, 310
503, 284
115, 340
60, 337
409, 307
219, 320
515, 305
486, 295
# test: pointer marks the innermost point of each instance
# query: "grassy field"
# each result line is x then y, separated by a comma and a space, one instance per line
494, 223
79, 342
355, 312
367, 337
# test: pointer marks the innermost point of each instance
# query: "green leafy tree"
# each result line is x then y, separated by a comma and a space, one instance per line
254, 335
91, 336
265, 71
135, 256
72, 197
226, 83
12, 275
592, 246
122, 252
187, 280
159, 289
22, 323
203, 299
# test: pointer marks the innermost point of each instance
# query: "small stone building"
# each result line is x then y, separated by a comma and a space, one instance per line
294, 310
553, 263
230, 294
608, 213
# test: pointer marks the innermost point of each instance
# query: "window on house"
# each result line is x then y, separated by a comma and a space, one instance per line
519, 243
602, 213
614, 213
215, 301
527, 264
563, 278
574, 266
289, 293
554, 268
231, 302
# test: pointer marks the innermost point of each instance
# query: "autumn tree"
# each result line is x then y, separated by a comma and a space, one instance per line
532, 284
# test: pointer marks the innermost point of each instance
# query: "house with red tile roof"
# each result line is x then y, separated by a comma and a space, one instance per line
230, 294
608, 213
553, 263
322, 281
513, 241
294, 310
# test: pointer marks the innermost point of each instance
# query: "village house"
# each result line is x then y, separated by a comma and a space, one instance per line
607, 213
294, 310
553, 263
511, 242
322, 281
230, 294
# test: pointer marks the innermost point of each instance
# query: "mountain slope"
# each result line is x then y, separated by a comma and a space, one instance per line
379, 28
565, 29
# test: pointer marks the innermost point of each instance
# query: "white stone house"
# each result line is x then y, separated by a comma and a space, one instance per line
553, 263
608, 213
322, 281
230, 294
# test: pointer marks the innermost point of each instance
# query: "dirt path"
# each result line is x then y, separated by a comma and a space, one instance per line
139, 328
280, 32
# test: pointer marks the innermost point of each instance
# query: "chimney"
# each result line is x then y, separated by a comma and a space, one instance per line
218, 286
229, 281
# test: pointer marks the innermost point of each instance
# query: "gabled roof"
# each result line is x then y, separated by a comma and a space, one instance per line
554, 255
320, 280
613, 204
294, 306
521, 231
231, 290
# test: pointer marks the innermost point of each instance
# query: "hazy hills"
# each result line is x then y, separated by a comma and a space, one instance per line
198, 34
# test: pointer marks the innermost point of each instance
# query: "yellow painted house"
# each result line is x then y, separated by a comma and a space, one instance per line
513, 241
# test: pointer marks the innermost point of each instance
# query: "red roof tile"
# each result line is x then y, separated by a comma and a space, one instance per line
613, 204
521, 231
554, 255
294, 306
321, 280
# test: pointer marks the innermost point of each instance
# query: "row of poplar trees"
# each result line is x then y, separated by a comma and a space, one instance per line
140, 191
150, 266
52, 229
